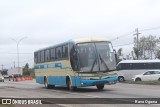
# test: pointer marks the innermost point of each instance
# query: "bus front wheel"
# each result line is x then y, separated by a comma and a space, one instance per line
100, 87
69, 85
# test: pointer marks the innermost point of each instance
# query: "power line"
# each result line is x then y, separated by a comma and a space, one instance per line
124, 45
150, 29
118, 37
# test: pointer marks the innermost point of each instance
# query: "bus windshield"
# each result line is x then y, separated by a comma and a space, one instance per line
94, 57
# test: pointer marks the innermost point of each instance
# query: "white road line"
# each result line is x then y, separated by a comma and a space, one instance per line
77, 94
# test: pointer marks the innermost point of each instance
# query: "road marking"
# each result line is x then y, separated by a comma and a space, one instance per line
74, 93
64, 105
138, 89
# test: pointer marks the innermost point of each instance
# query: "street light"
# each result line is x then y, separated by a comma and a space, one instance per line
17, 42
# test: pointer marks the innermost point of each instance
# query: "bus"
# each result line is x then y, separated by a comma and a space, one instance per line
127, 69
76, 63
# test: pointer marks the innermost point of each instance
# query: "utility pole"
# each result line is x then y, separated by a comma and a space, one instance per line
14, 64
137, 34
2, 67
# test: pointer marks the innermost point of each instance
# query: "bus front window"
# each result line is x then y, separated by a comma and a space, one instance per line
95, 57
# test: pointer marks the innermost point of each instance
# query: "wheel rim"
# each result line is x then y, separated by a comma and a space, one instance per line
121, 79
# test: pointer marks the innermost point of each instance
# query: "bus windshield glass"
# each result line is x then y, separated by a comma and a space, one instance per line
94, 57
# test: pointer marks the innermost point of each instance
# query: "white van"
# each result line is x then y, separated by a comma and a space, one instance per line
127, 69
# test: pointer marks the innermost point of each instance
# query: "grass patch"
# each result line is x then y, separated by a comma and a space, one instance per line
143, 82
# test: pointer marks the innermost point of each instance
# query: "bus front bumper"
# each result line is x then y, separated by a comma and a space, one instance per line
108, 81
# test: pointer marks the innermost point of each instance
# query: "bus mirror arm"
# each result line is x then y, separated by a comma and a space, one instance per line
116, 57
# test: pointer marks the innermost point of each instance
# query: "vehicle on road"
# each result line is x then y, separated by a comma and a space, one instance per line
76, 63
1, 78
6, 76
151, 75
127, 69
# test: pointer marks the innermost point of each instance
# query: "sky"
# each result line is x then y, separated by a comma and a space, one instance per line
42, 23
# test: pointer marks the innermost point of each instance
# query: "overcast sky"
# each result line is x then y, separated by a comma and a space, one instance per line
47, 22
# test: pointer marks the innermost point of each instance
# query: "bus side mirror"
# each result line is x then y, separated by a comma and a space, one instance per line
115, 53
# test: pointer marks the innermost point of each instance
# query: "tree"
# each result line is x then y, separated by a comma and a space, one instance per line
146, 47
119, 53
26, 70
4, 72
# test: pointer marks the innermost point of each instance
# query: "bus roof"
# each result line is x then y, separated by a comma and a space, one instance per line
139, 61
82, 40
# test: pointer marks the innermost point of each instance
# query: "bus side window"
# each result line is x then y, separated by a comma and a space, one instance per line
65, 51
47, 55
52, 54
39, 57
36, 57
42, 56
59, 52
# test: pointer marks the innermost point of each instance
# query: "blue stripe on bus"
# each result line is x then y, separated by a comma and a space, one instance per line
54, 65
58, 80
61, 80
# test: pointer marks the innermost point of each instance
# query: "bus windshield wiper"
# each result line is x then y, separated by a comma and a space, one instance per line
93, 64
102, 60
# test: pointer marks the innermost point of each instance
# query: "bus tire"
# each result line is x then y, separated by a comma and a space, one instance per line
138, 79
100, 86
69, 85
46, 84
159, 79
121, 79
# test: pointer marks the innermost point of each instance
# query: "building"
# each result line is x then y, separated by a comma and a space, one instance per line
15, 71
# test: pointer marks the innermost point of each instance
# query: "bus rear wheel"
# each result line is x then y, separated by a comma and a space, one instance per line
121, 79
47, 85
100, 86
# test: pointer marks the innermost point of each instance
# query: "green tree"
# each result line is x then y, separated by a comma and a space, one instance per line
146, 47
26, 70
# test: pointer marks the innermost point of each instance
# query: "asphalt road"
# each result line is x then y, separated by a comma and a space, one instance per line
29, 89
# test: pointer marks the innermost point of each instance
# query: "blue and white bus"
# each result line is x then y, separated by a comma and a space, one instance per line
76, 63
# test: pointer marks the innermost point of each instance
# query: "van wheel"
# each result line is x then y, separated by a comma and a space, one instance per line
138, 79
69, 85
100, 87
121, 79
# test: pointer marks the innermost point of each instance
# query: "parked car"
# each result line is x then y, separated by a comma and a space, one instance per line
150, 75
1, 78
6, 76
15, 75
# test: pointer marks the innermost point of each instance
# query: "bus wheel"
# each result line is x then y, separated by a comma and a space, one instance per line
100, 87
138, 79
69, 85
159, 79
46, 84
121, 79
